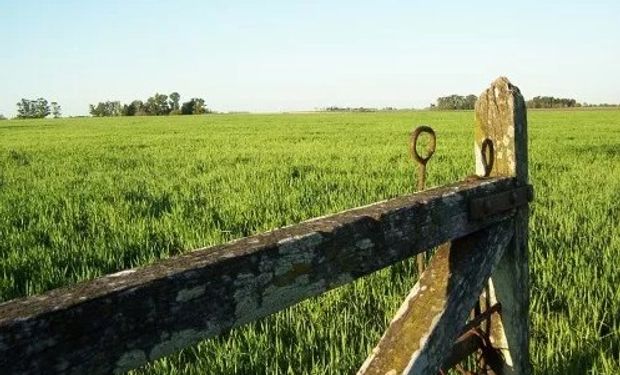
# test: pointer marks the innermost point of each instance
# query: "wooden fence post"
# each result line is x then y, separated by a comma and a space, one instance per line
501, 117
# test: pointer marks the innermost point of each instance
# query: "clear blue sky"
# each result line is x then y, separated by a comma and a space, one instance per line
297, 55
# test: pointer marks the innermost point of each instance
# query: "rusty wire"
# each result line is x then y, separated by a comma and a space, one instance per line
421, 161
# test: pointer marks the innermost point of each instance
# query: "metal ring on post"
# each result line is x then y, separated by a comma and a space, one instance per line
488, 156
414, 142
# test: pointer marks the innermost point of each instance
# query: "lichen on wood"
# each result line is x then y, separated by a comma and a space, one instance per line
120, 321
423, 330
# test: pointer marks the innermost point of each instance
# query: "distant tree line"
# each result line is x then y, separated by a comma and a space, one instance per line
358, 109
552, 102
37, 108
599, 105
163, 105
156, 105
455, 102
349, 109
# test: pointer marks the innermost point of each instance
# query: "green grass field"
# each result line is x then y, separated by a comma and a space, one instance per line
80, 198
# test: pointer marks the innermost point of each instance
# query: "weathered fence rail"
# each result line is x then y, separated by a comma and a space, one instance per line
121, 321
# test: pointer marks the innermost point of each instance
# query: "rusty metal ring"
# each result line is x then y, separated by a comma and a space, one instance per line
414, 142
488, 150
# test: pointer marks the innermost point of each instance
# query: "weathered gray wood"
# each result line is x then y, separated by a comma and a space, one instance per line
501, 116
123, 320
422, 333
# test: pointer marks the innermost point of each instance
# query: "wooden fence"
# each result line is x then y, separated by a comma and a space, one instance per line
121, 321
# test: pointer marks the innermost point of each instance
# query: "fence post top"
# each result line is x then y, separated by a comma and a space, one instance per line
501, 117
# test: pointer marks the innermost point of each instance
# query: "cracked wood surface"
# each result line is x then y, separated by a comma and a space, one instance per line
432, 317
501, 116
121, 321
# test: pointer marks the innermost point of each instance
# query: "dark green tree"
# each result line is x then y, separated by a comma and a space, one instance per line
38, 108
195, 106
174, 101
456, 102
157, 105
42, 108
135, 108
106, 109
56, 110
470, 101
551, 102
128, 110
25, 108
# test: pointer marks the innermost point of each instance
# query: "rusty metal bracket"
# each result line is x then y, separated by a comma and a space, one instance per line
474, 339
480, 208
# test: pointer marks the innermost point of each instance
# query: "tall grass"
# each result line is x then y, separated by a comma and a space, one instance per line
84, 197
